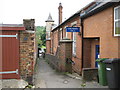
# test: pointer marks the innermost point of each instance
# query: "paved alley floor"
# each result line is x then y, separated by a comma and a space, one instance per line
12, 83
46, 77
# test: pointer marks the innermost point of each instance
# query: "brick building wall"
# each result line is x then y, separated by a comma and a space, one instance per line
55, 41
48, 46
101, 25
98, 30
55, 34
78, 58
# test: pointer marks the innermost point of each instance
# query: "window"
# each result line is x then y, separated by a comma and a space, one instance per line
66, 34
117, 21
74, 38
74, 43
60, 33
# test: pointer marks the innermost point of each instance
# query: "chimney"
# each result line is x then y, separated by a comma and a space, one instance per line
60, 13
29, 24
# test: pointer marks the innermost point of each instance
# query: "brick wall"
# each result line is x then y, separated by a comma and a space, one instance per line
53, 61
27, 53
90, 74
65, 52
54, 43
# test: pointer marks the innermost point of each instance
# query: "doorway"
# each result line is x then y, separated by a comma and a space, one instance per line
91, 52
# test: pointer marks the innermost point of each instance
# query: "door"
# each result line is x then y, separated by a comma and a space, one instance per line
97, 55
10, 55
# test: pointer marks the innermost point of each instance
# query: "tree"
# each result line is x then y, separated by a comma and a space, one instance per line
41, 36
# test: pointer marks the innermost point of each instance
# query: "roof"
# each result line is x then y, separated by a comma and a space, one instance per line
12, 27
49, 18
99, 6
90, 9
73, 16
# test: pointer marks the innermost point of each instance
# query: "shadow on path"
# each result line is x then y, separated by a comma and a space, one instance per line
46, 77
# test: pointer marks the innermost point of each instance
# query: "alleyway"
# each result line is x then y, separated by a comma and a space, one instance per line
46, 77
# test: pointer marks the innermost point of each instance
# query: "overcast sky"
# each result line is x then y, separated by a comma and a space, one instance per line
14, 11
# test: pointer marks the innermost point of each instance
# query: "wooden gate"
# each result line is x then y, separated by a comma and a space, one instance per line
10, 55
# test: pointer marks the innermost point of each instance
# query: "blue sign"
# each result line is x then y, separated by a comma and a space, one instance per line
72, 29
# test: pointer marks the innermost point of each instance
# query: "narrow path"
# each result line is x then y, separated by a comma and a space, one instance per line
46, 77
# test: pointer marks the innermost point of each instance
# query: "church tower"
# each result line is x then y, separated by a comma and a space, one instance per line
49, 24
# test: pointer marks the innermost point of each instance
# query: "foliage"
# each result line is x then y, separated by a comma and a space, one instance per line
41, 36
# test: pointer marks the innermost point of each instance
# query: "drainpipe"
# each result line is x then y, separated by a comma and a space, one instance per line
82, 26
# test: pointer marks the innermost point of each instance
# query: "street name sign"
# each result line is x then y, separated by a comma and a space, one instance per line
72, 29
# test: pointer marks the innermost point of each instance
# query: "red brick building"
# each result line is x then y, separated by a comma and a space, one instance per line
98, 36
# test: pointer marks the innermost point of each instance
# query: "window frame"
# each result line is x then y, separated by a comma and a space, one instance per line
74, 24
66, 34
61, 34
118, 20
74, 43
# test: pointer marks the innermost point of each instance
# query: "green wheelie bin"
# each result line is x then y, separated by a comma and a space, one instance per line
102, 72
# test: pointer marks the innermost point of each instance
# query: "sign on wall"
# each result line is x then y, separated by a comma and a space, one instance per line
72, 29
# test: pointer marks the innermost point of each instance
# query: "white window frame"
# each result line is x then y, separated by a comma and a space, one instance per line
118, 20
60, 33
74, 43
66, 34
74, 39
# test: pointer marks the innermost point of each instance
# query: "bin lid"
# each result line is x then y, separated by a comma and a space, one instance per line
100, 59
113, 60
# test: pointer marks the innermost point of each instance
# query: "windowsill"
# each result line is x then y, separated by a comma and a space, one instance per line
74, 55
116, 35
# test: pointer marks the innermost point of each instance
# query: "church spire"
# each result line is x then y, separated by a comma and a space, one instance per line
49, 18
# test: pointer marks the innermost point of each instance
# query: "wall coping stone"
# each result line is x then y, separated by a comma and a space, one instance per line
85, 69
66, 41
29, 31
48, 39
